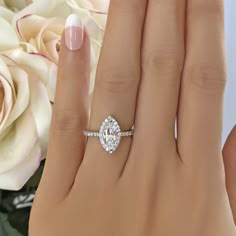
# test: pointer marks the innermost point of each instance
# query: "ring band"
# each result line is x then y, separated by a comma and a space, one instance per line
109, 134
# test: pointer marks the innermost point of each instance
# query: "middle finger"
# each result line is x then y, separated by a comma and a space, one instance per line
162, 62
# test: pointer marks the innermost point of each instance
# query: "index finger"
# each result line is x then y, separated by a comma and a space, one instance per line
66, 145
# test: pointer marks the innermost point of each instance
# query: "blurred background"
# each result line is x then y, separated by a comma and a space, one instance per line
230, 96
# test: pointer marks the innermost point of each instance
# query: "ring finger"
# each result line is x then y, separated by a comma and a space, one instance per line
116, 86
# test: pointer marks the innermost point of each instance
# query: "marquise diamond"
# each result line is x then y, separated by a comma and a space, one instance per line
110, 134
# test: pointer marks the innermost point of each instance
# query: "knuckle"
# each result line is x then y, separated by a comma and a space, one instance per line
166, 61
207, 78
66, 122
207, 7
118, 80
165, 64
132, 8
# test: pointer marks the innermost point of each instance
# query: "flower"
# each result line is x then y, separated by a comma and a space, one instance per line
44, 37
29, 46
26, 83
25, 113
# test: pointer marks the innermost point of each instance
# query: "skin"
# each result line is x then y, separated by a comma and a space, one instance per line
160, 60
229, 152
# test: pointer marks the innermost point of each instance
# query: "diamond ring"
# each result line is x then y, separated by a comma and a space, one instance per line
110, 134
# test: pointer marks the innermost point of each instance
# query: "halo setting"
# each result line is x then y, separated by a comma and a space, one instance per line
110, 134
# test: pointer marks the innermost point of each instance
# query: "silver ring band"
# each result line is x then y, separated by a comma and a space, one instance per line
109, 134
97, 134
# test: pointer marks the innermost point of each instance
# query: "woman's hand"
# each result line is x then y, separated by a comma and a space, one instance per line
160, 60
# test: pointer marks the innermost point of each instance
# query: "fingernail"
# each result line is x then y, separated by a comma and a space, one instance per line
74, 32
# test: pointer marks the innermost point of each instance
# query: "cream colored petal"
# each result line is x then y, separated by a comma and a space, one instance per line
8, 37
80, 3
52, 81
1, 95
41, 110
21, 102
100, 5
2, 3
41, 7
18, 143
6, 14
39, 74
36, 63
17, 5
4, 70
24, 26
17, 176
60, 10
95, 30
48, 39
7, 103
51, 50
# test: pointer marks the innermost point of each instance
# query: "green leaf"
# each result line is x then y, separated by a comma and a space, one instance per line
20, 220
15, 207
35, 179
5, 228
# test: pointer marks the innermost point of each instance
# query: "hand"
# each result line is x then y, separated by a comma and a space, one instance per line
152, 68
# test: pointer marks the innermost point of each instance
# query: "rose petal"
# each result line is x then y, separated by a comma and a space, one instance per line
52, 81
16, 177
37, 63
2, 3
43, 8
6, 14
17, 5
39, 72
21, 85
8, 37
18, 143
7, 103
101, 5
51, 50
4, 69
41, 110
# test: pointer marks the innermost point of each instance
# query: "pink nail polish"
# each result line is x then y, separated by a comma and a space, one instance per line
74, 32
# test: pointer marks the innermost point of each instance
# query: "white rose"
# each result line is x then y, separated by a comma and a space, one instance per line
25, 109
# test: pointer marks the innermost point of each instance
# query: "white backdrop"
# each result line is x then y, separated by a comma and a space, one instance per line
230, 96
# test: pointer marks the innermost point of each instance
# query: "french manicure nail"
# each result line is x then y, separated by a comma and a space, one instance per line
74, 32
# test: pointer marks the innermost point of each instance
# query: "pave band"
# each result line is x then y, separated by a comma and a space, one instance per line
97, 134
109, 134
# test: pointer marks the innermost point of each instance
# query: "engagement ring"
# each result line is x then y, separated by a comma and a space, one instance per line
110, 134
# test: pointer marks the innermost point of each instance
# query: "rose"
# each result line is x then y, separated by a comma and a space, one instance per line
44, 37
24, 116
25, 110
6, 13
